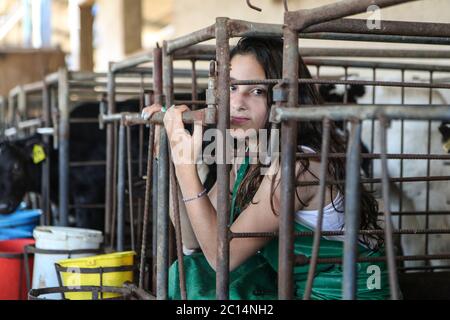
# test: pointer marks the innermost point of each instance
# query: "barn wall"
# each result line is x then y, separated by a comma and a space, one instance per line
20, 66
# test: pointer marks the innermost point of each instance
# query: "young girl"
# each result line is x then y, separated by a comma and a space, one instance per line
255, 198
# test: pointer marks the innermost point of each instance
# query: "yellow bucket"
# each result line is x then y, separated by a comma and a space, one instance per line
107, 270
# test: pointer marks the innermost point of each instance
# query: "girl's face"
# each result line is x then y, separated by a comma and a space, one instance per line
248, 103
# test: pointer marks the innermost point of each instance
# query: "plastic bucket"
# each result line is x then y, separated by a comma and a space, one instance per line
19, 224
56, 243
13, 284
106, 270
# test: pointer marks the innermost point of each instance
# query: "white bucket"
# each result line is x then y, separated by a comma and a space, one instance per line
59, 238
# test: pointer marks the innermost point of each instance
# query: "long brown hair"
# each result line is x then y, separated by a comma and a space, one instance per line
269, 53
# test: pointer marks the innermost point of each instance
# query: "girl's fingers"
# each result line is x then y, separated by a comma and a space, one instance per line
147, 112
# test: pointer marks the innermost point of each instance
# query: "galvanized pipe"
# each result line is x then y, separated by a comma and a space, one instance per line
45, 190
288, 150
110, 143
223, 174
352, 212
63, 106
390, 253
339, 112
121, 190
162, 263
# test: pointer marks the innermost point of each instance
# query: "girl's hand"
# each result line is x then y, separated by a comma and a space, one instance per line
147, 113
185, 148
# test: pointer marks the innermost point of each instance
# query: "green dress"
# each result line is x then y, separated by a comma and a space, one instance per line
256, 278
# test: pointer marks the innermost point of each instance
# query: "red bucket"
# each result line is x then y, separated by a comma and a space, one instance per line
13, 284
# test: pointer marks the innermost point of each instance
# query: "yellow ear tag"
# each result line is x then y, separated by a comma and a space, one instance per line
38, 154
446, 146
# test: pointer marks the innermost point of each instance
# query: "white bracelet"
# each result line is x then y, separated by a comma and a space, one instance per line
201, 194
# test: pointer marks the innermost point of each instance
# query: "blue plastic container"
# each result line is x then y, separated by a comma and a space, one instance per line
19, 224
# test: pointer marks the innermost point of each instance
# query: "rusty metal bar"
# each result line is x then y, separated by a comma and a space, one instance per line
191, 39
194, 93
339, 112
179, 243
390, 253
350, 82
375, 64
130, 187
206, 52
352, 211
409, 156
303, 260
393, 28
288, 149
223, 174
234, 235
322, 193
377, 180
301, 19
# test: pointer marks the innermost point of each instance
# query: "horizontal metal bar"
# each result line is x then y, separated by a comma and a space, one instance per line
378, 180
303, 260
375, 38
350, 82
388, 27
418, 213
87, 206
375, 53
144, 57
190, 39
415, 156
234, 235
209, 51
375, 64
204, 116
302, 19
29, 124
83, 120
343, 112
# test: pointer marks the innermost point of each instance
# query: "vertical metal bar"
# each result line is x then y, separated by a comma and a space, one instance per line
223, 177
194, 84
46, 205
322, 193
288, 151
130, 187
121, 189
63, 105
179, 243
154, 220
162, 260
110, 145
148, 195
352, 211
372, 128
113, 189
402, 149
140, 162
390, 254
427, 195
